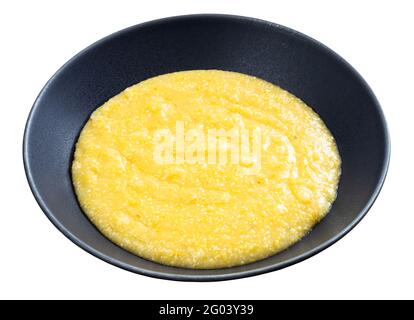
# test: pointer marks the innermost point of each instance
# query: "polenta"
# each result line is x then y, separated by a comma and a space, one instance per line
206, 212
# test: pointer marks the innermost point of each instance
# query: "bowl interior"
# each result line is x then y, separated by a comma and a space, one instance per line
284, 57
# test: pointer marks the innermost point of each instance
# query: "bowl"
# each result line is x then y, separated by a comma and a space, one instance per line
266, 50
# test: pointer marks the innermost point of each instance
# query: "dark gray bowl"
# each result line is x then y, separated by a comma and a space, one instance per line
277, 54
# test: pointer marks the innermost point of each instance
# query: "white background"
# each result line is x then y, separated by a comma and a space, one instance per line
376, 260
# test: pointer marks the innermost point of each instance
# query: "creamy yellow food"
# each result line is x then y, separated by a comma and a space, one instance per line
205, 215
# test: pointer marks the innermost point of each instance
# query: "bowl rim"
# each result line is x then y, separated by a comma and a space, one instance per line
207, 277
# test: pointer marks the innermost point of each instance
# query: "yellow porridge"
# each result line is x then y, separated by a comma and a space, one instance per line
150, 176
